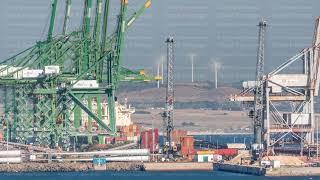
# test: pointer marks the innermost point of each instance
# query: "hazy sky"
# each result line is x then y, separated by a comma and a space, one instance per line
220, 30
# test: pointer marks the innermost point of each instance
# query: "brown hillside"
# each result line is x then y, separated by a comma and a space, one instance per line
183, 93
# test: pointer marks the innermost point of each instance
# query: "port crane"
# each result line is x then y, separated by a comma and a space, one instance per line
288, 100
258, 111
49, 85
168, 113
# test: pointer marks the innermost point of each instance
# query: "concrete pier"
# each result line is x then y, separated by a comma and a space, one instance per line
178, 166
254, 170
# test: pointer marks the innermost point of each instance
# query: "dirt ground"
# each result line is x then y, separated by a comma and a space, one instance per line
196, 120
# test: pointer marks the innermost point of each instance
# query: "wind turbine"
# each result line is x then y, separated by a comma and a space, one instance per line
216, 65
192, 66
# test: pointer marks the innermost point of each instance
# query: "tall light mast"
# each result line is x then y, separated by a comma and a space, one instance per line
168, 113
258, 114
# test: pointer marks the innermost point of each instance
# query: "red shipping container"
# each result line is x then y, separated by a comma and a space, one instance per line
177, 134
149, 140
227, 152
187, 146
109, 140
117, 139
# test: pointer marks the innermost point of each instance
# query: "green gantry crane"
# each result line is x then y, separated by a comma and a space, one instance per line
78, 68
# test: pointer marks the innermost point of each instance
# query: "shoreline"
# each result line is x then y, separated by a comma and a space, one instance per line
146, 167
68, 167
192, 133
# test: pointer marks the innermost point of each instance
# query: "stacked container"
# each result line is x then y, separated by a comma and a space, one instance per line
111, 140
177, 134
130, 132
227, 152
187, 147
222, 152
150, 140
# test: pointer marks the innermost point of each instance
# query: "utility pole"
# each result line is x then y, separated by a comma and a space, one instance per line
258, 116
168, 113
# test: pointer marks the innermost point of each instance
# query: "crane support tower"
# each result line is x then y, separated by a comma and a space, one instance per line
287, 102
54, 90
168, 113
258, 113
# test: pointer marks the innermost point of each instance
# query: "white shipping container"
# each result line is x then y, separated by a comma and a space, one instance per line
205, 157
31, 73
51, 70
33, 157
85, 84
217, 158
236, 146
275, 164
132, 138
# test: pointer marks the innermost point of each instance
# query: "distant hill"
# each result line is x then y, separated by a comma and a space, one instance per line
201, 95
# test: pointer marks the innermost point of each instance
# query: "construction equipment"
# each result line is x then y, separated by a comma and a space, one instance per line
288, 99
49, 85
168, 113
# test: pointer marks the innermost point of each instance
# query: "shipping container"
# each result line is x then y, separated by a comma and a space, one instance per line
223, 152
129, 131
177, 134
236, 146
85, 84
51, 69
121, 139
227, 152
31, 73
217, 158
133, 138
187, 146
109, 140
149, 140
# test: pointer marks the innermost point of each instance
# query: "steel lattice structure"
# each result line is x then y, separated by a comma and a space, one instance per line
168, 113
288, 100
258, 116
40, 108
